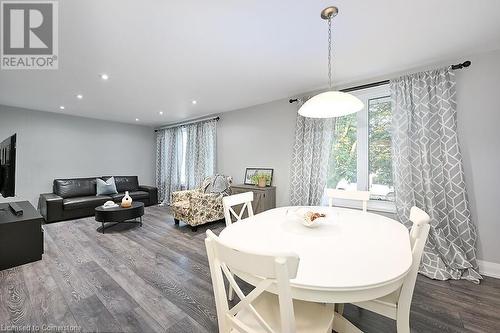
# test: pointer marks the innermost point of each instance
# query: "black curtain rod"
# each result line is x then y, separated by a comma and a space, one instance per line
379, 83
194, 121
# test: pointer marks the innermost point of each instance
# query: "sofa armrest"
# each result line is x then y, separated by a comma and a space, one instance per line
50, 206
153, 193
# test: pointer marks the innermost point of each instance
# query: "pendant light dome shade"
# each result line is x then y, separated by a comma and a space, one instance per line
330, 104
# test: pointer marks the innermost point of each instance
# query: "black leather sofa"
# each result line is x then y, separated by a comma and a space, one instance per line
76, 198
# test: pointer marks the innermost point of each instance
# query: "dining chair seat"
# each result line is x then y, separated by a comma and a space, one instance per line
309, 317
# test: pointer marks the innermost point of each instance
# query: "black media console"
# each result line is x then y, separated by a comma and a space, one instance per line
21, 236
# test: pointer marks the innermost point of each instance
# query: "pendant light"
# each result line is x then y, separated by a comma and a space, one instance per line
331, 103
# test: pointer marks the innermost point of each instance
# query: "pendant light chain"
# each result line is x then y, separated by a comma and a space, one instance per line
331, 103
330, 52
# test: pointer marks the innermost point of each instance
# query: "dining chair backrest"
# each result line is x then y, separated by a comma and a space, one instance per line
363, 196
418, 237
276, 268
229, 202
419, 218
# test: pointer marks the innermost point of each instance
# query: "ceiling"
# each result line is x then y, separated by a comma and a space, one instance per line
226, 55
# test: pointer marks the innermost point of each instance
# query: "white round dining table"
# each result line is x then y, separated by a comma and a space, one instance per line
347, 256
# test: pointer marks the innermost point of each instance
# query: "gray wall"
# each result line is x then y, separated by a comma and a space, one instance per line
478, 90
263, 136
259, 136
51, 145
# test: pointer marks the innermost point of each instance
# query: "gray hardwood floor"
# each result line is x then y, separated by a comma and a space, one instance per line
155, 278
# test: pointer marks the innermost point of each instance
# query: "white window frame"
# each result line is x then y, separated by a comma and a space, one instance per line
365, 95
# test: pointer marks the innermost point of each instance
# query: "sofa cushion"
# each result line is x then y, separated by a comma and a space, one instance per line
125, 183
85, 202
76, 187
136, 195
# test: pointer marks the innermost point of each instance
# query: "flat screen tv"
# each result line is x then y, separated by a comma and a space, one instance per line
8, 167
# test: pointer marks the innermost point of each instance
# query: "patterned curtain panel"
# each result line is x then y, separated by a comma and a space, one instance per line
185, 155
168, 162
201, 141
428, 172
311, 151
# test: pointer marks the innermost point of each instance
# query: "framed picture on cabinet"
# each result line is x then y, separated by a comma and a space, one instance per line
253, 174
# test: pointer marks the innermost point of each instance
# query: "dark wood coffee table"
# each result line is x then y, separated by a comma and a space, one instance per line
120, 215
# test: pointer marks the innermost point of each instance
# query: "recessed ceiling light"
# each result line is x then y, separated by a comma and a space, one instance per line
161, 113
79, 96
104, 76
194, 101
62, 107
136, 119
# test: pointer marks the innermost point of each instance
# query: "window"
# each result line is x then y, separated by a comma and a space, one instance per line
343, 158
379, 149
361, 152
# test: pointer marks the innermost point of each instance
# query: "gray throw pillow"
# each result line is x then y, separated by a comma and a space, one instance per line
106, 187
217, 184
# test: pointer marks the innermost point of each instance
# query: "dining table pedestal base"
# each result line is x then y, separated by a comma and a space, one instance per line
342, 325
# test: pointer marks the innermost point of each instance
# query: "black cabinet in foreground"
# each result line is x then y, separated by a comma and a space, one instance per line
21, 237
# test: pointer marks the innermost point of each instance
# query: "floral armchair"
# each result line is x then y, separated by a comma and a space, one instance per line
201, 205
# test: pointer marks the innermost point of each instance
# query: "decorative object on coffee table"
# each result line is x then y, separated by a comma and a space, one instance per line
252, 176
126, 201
120, 214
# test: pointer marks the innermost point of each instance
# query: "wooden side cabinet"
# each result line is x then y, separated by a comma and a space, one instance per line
264, 198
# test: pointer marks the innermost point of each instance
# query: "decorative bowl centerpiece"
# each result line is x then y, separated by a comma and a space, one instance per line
310, 218
306, 216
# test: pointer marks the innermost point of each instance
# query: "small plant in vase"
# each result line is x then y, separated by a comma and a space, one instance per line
261, 179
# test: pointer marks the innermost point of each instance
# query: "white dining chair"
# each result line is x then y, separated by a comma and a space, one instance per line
363, 196
259, 310
229, 202
397, 304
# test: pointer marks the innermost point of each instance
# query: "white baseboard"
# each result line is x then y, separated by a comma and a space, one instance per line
488, 268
